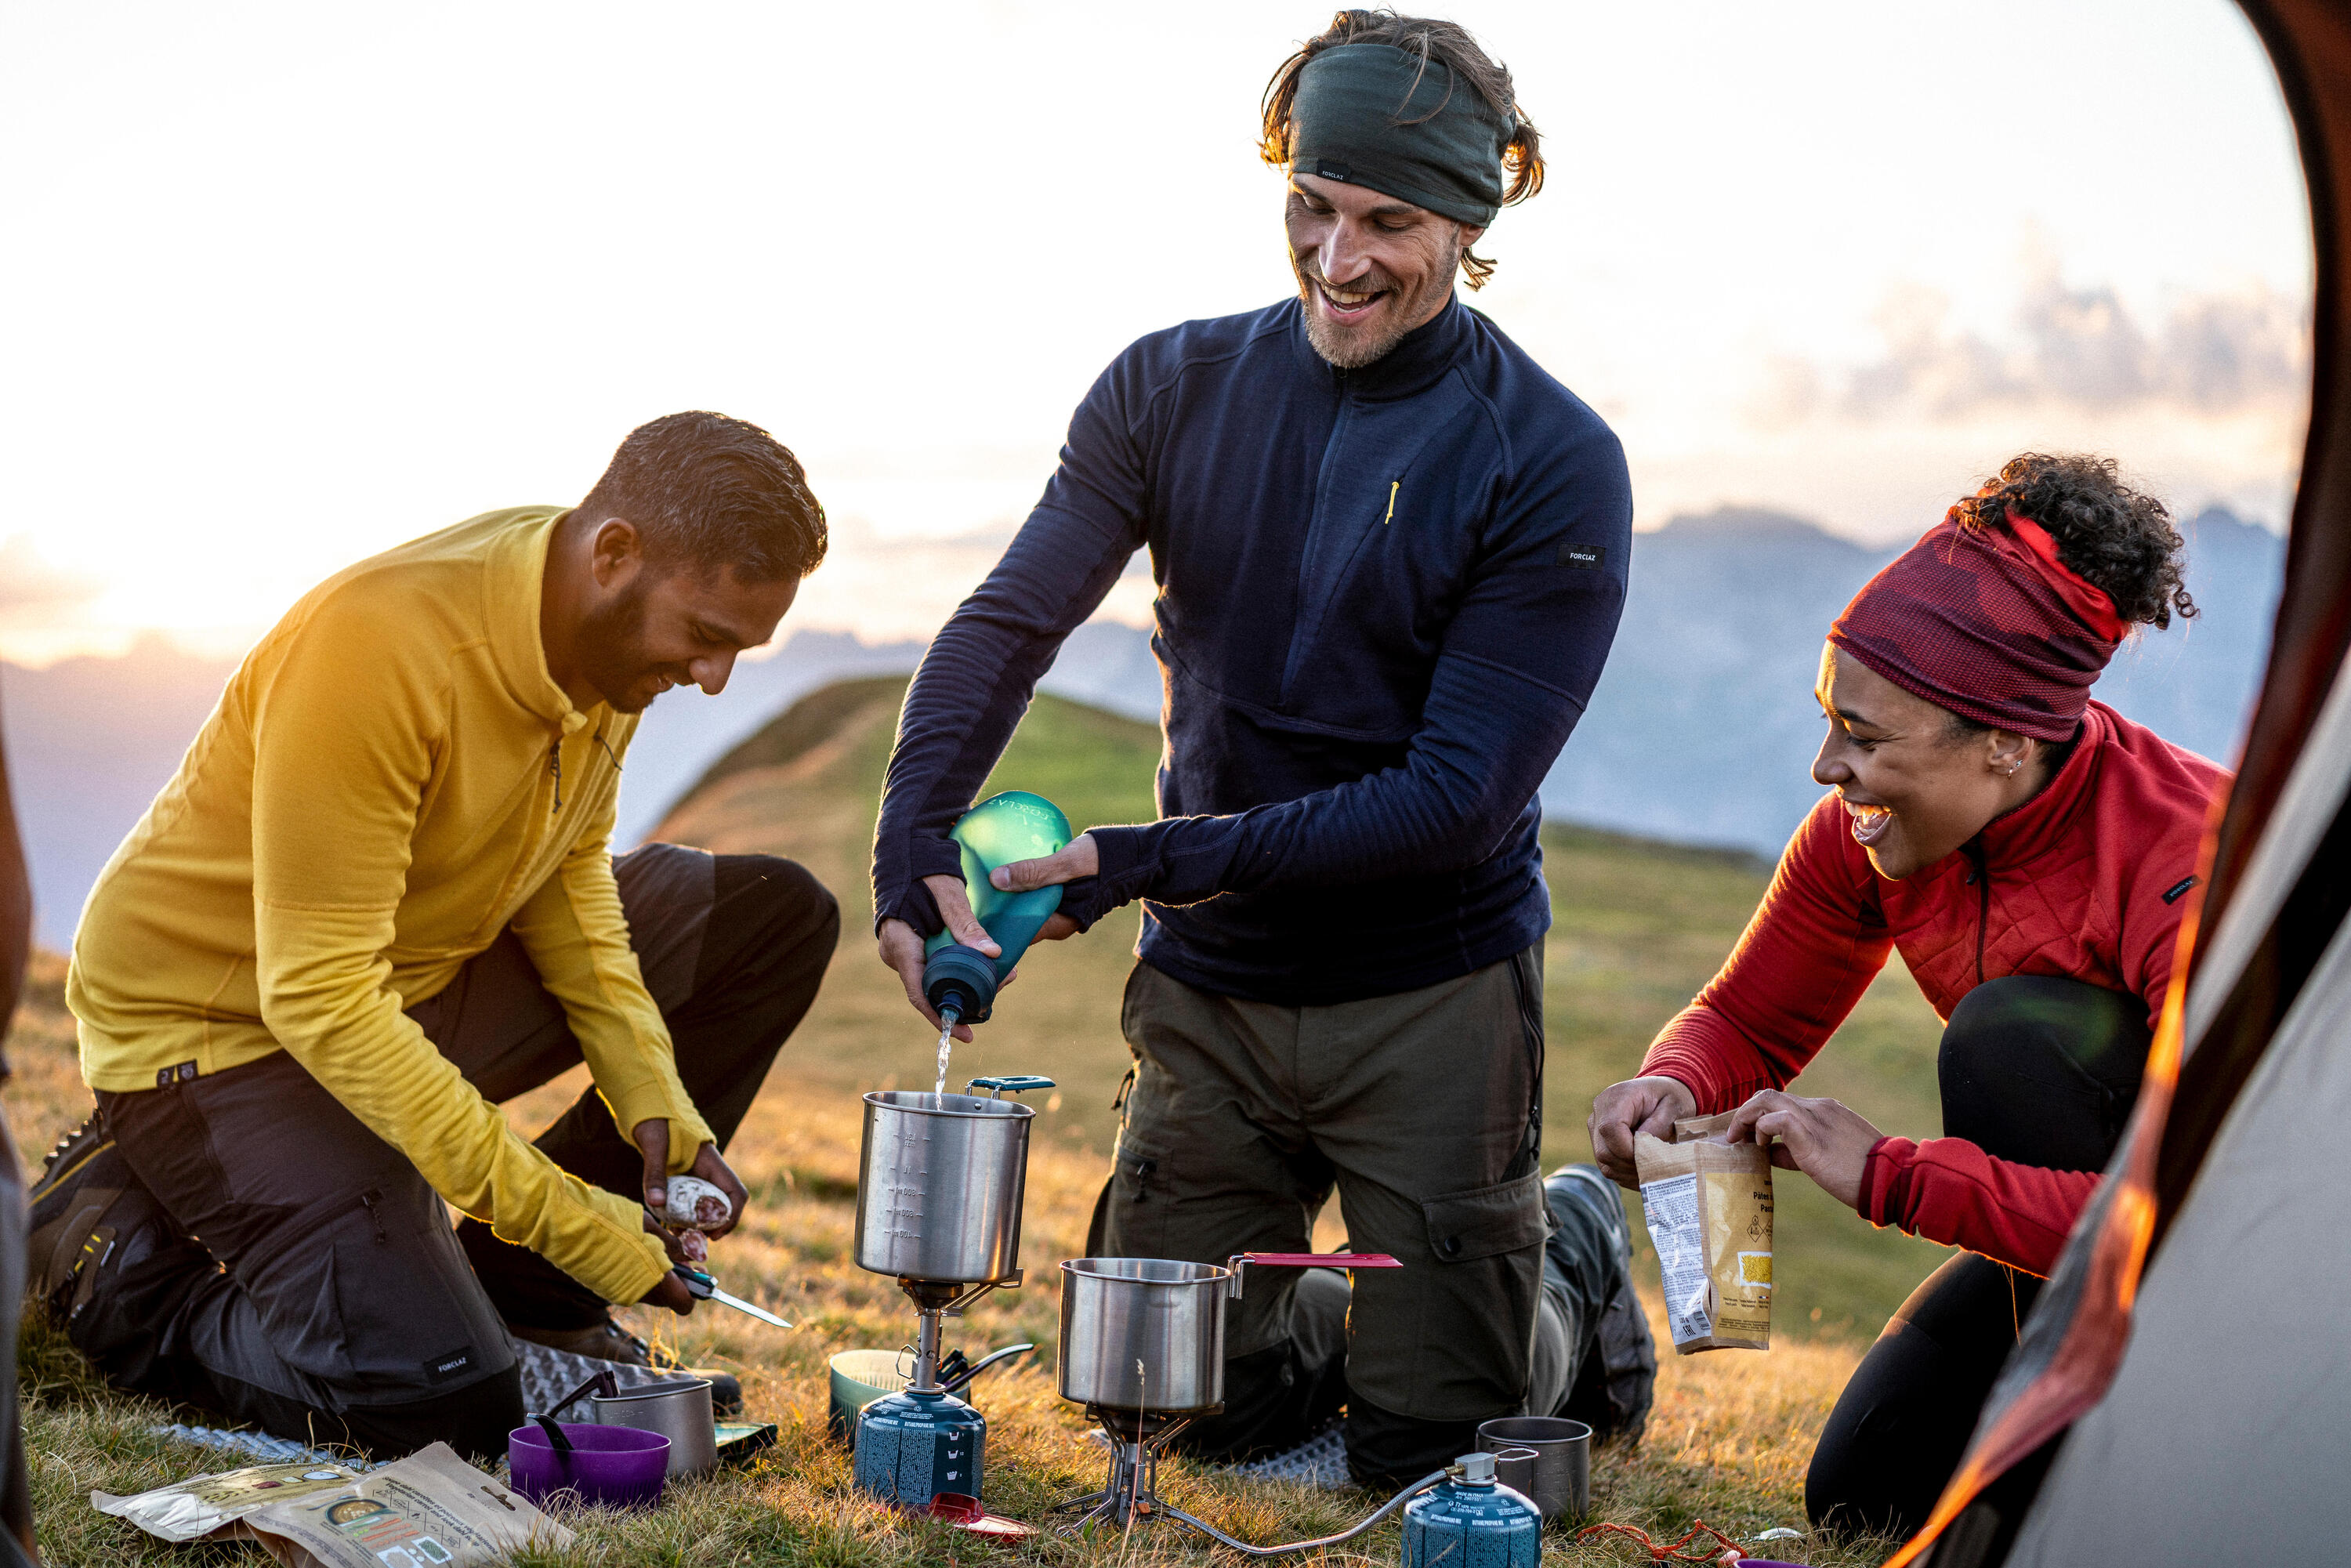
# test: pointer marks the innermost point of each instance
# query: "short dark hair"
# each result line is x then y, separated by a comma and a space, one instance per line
713, 492
1449, 45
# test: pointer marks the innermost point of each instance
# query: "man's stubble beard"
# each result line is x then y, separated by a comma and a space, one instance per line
1349, 351
612, 644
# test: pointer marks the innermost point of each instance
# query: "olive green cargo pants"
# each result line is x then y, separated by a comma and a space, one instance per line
1423, 1110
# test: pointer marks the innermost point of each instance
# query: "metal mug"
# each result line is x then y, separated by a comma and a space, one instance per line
1143, 1334
1558, 1477
939, 1185
677, 1408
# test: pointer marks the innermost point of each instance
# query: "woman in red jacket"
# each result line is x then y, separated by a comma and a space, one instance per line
2027, 850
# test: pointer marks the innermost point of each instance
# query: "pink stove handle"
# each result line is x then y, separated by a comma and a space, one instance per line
1303, 1260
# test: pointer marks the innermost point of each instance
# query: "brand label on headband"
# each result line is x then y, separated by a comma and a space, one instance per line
1330, 171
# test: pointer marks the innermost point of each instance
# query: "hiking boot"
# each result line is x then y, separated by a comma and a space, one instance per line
68, 1236
1600, 1196
608, 1341
1616, 1380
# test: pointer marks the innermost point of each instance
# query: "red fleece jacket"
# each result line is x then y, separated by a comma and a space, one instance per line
2076, 884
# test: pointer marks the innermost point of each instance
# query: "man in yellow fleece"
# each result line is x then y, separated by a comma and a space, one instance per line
376, 900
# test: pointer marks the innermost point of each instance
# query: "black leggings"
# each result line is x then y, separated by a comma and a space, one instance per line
2035, 1069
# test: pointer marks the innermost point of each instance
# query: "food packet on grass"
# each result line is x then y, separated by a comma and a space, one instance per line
195, 1508
430, 1509
1709, 1204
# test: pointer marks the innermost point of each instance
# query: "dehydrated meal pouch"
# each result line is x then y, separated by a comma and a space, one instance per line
1709, 1204
430, 1509
195, 1508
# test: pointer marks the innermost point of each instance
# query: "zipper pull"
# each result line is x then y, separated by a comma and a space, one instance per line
555, 767
367, 1201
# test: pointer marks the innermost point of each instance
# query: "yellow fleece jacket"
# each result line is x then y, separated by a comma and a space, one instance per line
391, 779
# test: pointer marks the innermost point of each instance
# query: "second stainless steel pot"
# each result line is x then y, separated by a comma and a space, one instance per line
1143, 1334
679, 1410
939, 1185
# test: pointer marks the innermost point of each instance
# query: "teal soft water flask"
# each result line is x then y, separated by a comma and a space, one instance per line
961, 982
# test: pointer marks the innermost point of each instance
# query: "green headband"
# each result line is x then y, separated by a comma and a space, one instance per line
1369, 114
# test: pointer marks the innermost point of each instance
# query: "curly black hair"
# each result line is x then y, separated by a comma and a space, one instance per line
2120, 539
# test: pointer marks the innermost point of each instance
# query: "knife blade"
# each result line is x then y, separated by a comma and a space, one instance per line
702, 1287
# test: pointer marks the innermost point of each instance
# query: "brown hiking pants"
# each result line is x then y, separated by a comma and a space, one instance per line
1424, 1112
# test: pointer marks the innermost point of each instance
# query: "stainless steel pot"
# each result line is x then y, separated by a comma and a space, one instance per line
1143, 1334
679, 1410
939, 1185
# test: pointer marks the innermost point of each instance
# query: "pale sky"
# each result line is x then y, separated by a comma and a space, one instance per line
292, 283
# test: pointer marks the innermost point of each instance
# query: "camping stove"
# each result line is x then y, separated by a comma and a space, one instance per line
938, 1206
1143, 1349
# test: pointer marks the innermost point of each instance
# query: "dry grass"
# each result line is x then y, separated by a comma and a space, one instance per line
1638, 928
1728, 1440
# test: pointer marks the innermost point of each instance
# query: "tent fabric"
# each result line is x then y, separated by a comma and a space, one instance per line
2290, 855
2220, 1437
2306, 807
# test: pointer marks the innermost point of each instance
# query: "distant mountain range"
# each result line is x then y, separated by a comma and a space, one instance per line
1703, 726
1703, 730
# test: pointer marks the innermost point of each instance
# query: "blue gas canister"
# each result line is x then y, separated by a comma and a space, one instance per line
1472, 1520
911, 1447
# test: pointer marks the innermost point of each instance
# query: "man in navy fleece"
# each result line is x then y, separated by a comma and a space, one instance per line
1390, 553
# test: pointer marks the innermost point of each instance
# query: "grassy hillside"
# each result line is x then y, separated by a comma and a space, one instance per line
1639, 926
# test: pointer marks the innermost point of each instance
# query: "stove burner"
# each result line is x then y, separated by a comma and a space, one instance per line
1130, 1496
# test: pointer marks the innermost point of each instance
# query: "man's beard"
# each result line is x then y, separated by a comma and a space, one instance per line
1351, 349
611, 649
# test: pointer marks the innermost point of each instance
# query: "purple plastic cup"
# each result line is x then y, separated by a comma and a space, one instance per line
610, 1467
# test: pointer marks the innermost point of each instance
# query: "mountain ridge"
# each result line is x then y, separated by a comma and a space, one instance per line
1702, 728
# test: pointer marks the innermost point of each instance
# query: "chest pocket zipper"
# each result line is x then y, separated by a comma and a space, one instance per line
555, 765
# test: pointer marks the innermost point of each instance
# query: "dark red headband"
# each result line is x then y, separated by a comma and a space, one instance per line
1988, 624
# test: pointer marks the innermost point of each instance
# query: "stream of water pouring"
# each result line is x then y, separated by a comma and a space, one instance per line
946, 1048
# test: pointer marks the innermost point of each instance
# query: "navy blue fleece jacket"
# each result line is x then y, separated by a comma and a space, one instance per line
1383, 597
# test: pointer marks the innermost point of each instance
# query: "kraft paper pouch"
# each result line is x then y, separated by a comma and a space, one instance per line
195, 1508
430, 1509
1709, 1204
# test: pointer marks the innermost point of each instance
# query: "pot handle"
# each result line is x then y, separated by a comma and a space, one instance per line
1017, 1084
1303, 1260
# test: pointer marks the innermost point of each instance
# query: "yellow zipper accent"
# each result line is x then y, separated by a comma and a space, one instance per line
1392, 484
